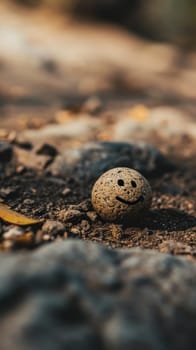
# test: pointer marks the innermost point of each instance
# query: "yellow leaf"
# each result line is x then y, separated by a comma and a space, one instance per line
139, 113
13, 217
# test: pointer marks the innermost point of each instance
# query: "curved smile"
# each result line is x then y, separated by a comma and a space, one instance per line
140, 199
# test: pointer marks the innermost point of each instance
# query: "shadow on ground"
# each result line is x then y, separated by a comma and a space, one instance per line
169, 219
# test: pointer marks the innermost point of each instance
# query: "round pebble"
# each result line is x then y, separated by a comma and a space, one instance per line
120, 194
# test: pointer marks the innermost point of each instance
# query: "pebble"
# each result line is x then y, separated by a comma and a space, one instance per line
92, 215
66, 191
121, 193
83, 206
75, 230
28, 201
70, 215
12, 233
46, 237
7, 191
85, 225
53, 227
20, 169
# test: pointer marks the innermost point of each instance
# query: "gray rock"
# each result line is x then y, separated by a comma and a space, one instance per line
87, 163
77, 295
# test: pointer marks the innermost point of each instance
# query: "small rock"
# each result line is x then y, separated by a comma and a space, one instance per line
83, 206
5, 192
70, 215
53, 228
116, 231
92, 215
76, 230
85, 225
66, 191
55, 180
46, 237
20, 169
28, 201
13, 232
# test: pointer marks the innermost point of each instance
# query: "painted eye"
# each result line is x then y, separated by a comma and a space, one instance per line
133, 183
120, 182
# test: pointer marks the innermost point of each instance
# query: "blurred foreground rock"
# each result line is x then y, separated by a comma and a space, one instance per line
77, 295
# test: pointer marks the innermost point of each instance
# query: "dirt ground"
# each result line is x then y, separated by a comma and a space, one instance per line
95, 82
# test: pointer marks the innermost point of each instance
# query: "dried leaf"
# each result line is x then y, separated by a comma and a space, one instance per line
13, 217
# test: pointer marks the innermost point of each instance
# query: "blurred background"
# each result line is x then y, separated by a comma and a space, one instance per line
169, 20
55, 54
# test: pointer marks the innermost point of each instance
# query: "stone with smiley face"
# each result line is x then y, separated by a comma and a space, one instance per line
120, 194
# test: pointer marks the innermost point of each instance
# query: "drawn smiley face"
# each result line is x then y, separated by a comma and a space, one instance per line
121, 193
